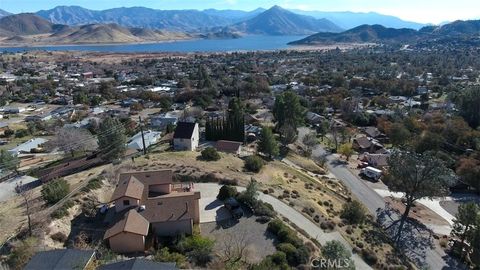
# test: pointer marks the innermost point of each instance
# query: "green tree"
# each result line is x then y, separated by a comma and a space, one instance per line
287, 108
112, 139
268, 144
55, 190
80, 98
465, 221
254, 163
9, 161
398, 134
346, 150
469, 105
226, 192
336, 253
417, 176
353, 212
288, 134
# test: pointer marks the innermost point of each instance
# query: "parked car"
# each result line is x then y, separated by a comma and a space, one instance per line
371, 173
234, 207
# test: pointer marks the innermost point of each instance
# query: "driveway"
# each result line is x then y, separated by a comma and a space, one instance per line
211, 209
434, 258
295, 217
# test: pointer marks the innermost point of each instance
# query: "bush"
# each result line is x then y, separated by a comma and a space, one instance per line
21, 133
21, 253
197, 247
59, 237
226, 192
164, 255
55, 190
93, 184
210, 154
284, 233
277, 261
263, 209
295, 256
254, 163
62, 211
353, 212
369, 256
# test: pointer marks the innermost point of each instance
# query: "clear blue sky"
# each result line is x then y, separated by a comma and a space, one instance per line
426, 11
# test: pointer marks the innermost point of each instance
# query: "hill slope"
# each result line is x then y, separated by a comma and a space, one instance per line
25, 24
381, 34
31, 29
4, 13
278, 21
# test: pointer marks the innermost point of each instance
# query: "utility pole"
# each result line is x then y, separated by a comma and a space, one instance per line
143, 138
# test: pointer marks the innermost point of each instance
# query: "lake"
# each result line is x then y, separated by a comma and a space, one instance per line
247, 43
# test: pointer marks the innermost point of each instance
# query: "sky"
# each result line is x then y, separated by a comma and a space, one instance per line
423, 11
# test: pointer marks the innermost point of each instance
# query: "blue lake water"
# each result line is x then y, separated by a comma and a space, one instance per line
247, 43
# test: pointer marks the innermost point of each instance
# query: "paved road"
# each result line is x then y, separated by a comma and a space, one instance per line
294, 216
371, 199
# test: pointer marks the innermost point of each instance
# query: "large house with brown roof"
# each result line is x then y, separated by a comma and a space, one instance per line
148, 201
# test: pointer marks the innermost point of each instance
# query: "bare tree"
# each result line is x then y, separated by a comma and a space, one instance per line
70, 140
234, 247
309, 140
27, 196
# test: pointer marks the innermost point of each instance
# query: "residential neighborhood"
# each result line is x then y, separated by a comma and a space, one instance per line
241, 160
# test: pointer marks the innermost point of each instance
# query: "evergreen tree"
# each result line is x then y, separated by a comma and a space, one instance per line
287, 109
268, 144
112, 139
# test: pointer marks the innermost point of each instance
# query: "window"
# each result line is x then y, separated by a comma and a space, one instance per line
126, 202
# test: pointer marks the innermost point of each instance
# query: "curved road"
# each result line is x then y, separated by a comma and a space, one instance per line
371, 199
294, 216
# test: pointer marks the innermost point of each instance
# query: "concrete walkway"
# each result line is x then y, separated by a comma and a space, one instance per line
295, 217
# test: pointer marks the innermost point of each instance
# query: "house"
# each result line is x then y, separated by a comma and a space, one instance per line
139, 264
15, 110
129, 234
230, 147
150, 137
28, 146
378, 161
38, 117
364, 144
314, 118
163, 120
148, 201
61, 259
186, 136
3, 127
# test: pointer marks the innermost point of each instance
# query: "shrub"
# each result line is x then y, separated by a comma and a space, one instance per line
55, 190
21, 133
63, 210
353, 212
93, 184
277, 261
284, 233
164, 255
198, 248
21, 253
295, 256
210, 154
263, 209
254, 163
369, 256
59, 237
226, 192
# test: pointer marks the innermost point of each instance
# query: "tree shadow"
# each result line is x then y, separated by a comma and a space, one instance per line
416, 239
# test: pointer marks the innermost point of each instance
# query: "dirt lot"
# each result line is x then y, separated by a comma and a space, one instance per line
418, 212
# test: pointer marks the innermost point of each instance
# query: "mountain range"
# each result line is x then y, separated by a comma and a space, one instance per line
28, 28
279, 21
382, 34
189, 20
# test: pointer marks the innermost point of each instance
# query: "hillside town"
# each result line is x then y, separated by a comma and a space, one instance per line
242, 160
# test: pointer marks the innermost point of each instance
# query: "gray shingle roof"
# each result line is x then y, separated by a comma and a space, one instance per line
60, 259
